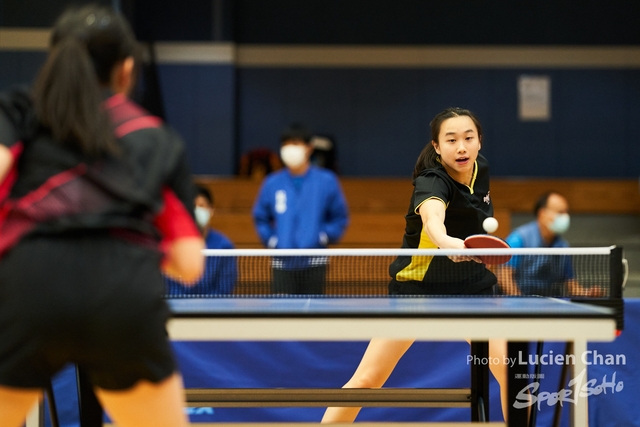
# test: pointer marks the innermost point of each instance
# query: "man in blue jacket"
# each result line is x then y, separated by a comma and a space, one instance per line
300, 206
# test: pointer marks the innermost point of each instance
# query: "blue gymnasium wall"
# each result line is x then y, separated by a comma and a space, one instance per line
379, 116
200, 104
18, 67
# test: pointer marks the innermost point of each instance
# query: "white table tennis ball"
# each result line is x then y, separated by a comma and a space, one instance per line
490, 224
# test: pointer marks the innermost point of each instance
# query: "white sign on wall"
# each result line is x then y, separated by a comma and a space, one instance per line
534, 98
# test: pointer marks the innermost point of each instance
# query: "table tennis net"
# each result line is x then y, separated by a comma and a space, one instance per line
569, 272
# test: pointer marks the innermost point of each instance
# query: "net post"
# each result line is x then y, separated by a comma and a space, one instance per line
617, 277
480, 382
615, 268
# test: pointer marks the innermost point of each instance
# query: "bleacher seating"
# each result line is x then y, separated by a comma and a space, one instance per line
378, 205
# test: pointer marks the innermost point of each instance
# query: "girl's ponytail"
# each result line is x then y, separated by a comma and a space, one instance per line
68, 98
426, 160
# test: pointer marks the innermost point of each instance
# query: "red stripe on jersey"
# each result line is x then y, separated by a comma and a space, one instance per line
137, 124
115, 100
58, 196
128, 117
51, 183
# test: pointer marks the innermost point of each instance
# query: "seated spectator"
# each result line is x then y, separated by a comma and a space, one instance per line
546, 275
220, 273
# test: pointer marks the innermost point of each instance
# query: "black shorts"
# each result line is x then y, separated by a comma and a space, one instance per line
92, 300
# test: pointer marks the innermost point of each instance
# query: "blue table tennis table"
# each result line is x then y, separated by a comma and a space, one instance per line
516, 319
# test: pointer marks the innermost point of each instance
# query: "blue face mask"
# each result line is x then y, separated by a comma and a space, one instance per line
203, 215
560, 223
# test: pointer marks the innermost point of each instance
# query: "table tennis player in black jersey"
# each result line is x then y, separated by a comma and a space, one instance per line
95, 200
466, 207
450, 201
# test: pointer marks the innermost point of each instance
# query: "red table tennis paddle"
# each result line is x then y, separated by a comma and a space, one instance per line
486, 241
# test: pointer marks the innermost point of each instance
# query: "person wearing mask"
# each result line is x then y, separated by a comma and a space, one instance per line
220, 273
546, 275
301, 206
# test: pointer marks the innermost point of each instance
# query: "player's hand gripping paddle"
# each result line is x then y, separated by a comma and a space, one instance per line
485, 241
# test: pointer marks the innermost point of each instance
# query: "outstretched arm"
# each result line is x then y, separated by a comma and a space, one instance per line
433, 212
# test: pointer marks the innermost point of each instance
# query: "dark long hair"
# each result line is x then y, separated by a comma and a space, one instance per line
428, 156
86, 44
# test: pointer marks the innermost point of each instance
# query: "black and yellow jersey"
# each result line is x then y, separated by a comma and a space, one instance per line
466, 209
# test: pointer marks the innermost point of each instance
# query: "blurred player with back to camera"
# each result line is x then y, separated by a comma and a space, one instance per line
90, 184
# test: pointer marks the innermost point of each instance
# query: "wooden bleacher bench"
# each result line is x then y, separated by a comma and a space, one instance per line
585, 196
378, 205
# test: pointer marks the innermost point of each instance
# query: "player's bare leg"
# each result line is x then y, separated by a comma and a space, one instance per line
377, 364
498, 350
15, 404
163, 403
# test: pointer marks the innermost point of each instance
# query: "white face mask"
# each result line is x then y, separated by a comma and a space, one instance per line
560, 223
203, 215
293, 155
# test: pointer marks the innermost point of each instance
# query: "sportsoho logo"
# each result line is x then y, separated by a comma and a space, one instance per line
577, 387
566, 395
